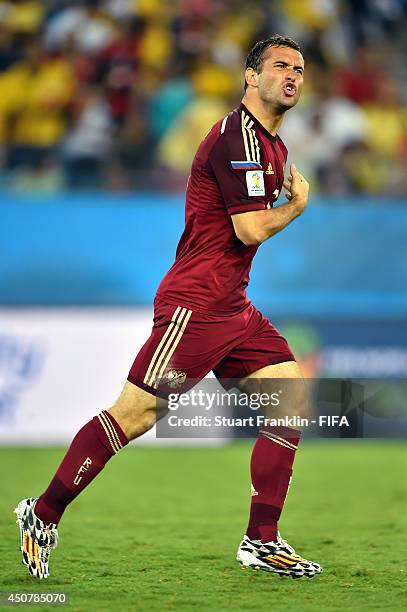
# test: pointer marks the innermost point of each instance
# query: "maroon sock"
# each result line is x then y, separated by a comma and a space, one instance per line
271, 468
90, 450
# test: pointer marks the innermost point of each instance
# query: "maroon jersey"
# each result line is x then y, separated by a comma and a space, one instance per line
239, 167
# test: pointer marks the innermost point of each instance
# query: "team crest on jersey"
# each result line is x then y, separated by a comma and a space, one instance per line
176, 378
255, 183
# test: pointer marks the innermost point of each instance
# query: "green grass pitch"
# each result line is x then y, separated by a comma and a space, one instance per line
158, 530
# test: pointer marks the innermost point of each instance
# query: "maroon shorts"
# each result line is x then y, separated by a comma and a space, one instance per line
185, 345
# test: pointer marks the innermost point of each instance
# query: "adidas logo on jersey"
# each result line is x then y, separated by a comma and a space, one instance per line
269, 169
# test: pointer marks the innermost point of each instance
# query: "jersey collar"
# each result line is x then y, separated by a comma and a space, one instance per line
257, 122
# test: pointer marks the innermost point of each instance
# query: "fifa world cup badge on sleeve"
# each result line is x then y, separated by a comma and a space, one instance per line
255, 183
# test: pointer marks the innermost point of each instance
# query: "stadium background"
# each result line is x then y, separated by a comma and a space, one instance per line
102, 105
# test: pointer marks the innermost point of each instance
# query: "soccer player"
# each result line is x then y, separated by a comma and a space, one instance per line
203, 320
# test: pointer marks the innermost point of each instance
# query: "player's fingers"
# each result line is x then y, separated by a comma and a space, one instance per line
288, 195
297, 175
299, 178
287, 185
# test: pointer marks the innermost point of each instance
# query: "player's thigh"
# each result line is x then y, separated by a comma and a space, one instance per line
137, 410
287, 369
283, 381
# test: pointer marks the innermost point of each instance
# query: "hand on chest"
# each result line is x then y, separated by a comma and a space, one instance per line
266, 181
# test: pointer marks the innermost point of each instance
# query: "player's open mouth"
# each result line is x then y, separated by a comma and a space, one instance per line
289, 89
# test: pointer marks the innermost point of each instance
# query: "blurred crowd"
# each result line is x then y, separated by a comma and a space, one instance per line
117, 94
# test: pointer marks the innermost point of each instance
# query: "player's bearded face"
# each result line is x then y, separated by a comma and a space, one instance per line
281, 79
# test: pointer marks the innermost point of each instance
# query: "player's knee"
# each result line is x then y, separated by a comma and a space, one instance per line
142, 423
137, 411
135, 422
280, 397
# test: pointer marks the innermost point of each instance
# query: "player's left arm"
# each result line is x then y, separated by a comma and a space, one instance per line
254, 227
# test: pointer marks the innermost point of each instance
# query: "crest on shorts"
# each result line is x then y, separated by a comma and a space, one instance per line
176, 378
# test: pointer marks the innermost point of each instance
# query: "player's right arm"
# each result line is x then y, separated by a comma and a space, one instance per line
254, 227
253, 221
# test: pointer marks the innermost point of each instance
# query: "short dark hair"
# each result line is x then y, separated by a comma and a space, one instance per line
255, 56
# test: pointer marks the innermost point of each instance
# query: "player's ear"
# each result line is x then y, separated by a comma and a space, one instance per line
251, 77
